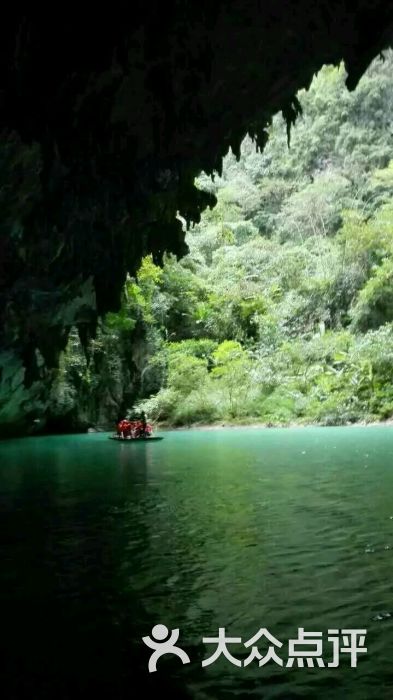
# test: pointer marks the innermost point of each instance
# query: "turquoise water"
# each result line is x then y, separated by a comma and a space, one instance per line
236, 528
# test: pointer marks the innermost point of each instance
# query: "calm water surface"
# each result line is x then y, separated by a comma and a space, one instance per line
239, 529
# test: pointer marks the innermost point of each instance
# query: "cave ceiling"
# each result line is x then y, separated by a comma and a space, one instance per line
107, 117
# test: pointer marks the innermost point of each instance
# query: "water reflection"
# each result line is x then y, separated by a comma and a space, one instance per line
101, 541
75, 620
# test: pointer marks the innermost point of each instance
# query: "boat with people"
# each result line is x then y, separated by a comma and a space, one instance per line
134, 430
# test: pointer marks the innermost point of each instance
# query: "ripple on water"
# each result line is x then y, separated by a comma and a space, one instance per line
284, 530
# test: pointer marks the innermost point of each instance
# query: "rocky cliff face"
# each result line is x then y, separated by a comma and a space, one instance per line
96, 390
105, 120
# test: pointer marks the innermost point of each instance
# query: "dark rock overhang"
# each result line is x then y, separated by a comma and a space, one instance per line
105, 120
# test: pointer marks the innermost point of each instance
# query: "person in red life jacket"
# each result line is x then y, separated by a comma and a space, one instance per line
124, 429
138, 429
127, 429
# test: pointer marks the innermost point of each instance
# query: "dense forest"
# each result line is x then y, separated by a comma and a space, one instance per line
282, 312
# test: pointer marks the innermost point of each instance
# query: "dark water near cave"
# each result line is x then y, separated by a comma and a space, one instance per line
242, 529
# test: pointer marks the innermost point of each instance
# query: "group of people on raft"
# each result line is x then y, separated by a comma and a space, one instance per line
134, 429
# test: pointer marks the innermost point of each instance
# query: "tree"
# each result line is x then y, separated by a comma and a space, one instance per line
232, 368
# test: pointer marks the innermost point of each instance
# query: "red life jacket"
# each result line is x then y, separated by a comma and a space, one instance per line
124, 427
127, 427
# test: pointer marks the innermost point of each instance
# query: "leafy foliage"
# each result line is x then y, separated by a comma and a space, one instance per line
283, 310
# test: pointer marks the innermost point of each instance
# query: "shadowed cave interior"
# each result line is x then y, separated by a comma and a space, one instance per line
106, 120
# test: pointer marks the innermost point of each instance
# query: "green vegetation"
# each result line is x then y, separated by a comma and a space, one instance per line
283, 310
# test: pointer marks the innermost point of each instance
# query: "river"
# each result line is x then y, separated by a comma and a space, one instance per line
242, 529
